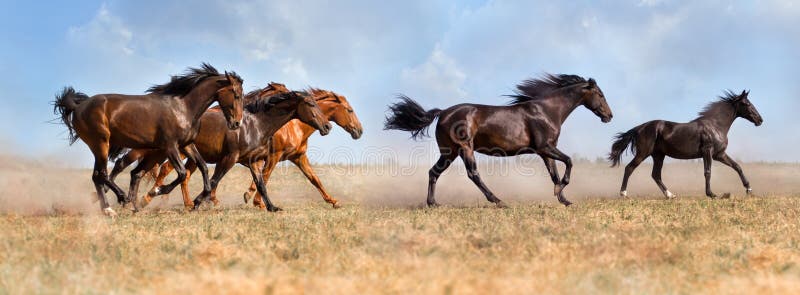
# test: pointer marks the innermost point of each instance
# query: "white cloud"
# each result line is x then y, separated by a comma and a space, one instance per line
439, 77
105, 31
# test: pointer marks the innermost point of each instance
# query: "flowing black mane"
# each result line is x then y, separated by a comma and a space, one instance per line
263, 104
533, 89
182, 85
322, 94
725, 103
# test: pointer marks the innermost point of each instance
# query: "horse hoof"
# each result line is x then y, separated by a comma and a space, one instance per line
433, 205
274, 209
565, 202
501, 204
336, 205
726, 196
749, 192
109, 212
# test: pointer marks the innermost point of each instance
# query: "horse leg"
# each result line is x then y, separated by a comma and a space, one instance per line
100, 176
433, 175
658, 164
269, 166
223, 166
553, 153
137, 173
256, 168
174, 156
725, 159
193, 154
558, 188
163, 171
122, 163
468, 156
623, 191
707, 173
191, 166
302, 163
250, 194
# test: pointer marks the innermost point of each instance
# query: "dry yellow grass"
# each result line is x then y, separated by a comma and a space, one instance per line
636, 245
615, 246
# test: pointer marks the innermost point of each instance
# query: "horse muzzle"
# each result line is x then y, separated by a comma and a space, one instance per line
356, 133
325, 129
606, 119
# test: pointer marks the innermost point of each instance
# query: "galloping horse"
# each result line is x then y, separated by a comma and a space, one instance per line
138, 154
705, 137
291, 142
530, 124
249, 145
166, 118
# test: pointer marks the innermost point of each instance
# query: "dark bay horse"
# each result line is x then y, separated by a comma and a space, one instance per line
135, 155
290, 142
166, 118
705, 137
530, 124
249, 145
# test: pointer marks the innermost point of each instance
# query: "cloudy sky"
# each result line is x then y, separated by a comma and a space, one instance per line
654, 59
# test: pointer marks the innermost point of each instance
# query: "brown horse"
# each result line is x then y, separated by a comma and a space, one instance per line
166, 118
138, 154
705, 137
290, 142
531, 124
250, 144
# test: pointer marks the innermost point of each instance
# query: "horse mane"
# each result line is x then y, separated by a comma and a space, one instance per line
322, 94
725, 102
263, 104
535, 89
256, 93
183, 84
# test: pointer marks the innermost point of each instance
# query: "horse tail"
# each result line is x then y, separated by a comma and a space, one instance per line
622, 141
64, 106
408, 115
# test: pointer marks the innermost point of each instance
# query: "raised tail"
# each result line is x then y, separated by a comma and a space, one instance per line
408, 115
64, 106
623, 140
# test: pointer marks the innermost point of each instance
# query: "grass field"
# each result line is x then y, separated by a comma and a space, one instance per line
600, 245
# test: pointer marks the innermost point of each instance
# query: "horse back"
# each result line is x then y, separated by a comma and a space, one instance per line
491, 130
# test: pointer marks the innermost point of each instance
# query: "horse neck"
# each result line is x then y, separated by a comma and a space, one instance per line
722, 118
199, 99
559, 106
271, 121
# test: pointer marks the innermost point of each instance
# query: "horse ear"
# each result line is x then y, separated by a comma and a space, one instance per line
592, 83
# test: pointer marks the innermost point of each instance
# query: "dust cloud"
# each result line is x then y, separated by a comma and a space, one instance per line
39, 187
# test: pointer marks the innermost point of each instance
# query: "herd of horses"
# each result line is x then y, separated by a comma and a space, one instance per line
173, 122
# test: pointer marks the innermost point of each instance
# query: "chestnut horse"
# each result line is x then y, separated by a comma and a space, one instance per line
249, 145
291, 142
166, 118
531, 124
705, 137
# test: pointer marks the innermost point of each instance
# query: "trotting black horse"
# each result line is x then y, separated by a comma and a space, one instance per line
531, 123
705, 137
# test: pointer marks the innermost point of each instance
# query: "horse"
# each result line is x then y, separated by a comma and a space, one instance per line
248, 145
290, 142
704, 137
165, 118
531, 123
135, 155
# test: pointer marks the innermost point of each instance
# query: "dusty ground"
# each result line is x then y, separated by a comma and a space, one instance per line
54, 241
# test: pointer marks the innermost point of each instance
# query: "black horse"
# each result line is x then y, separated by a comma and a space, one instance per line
531, 123
705, 137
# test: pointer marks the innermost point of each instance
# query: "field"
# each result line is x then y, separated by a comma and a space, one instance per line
382, 241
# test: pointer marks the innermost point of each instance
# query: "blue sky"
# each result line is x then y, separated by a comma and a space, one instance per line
654, 59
